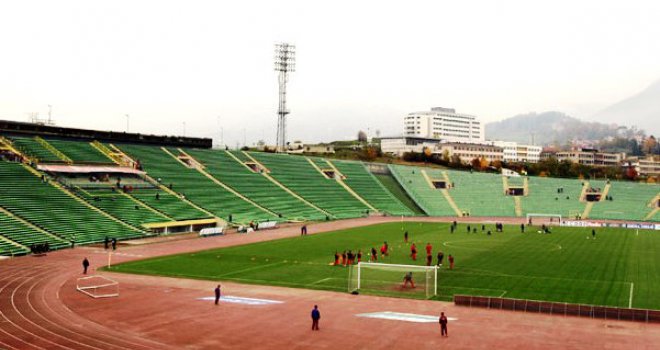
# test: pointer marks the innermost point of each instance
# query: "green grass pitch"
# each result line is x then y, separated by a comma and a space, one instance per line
619, 268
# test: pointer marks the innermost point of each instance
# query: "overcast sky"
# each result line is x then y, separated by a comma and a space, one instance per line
360, 64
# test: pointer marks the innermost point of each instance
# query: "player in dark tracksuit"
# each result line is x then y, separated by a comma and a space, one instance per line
316, 316
217, 294
85, 264
443, 324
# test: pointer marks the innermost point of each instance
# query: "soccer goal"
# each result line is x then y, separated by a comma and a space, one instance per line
543, 218
98, 286
390, 279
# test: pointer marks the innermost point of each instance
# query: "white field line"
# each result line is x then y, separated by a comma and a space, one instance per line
321, 281
632, 285
251, 268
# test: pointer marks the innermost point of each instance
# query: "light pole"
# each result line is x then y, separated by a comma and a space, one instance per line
285, 62
127, 121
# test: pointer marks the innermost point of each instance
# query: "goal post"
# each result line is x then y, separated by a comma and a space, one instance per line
97, 286
390, 279
544, 217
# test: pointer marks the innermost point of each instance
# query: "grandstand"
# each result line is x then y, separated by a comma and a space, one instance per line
59, 198
480, 194
123, 207
629, 202
296, 173
32, 148
543, 197
194, 186
429, 199
80, 151
15, 231
254, 185
368, 187
50, 208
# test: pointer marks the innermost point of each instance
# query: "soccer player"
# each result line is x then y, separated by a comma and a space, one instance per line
413, 251
383, 250
593, 233
343, 258
374, 254
336, 258
405, 237
468, 228
429, 248
441, 255
522, 228
407, 278
443, 324
429, 259
359, 256
451, 262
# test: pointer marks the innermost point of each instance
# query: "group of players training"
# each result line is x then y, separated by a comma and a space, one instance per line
347, 257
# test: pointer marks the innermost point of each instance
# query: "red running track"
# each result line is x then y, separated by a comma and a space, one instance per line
40, 309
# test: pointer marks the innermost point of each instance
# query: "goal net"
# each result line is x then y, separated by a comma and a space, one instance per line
98, 286
393, 280
538, 219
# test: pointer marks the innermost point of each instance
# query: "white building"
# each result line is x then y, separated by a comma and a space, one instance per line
445, 124
399, 145
515, 152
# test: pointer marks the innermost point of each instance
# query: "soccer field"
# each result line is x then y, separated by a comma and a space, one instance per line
618, 268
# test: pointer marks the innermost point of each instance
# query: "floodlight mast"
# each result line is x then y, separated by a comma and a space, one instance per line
285, 62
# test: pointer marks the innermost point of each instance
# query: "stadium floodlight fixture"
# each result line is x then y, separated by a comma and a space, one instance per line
285, 63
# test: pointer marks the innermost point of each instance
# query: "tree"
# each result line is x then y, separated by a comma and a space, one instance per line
650, 145
362, 136
476, 164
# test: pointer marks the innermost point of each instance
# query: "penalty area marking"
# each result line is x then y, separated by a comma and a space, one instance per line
400, 316
242, 300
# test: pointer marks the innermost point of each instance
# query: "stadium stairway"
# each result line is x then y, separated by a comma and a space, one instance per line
33, 150
24, 232
43, 204
204, 172
45, 144
190, 184
444, 191
421, 192
359, 179
82, 201
251, 183
300, 176
339, 178
266, 173
11, 248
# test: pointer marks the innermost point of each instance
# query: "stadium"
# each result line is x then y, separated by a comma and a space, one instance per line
163, 220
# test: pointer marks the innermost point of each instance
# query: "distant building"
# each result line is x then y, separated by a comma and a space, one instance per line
468, 151
515, 152
588, 156
398, 145
443, 124
648, 166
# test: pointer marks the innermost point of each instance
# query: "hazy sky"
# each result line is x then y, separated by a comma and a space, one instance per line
360, 64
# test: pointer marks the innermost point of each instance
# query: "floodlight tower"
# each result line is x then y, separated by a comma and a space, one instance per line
285, 62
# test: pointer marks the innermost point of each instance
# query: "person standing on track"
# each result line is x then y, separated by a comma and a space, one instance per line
217, 294
443, 324
85, 264
316, 316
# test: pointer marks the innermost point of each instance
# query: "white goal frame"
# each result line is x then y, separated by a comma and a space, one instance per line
539, 215
433, 268
104, 282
